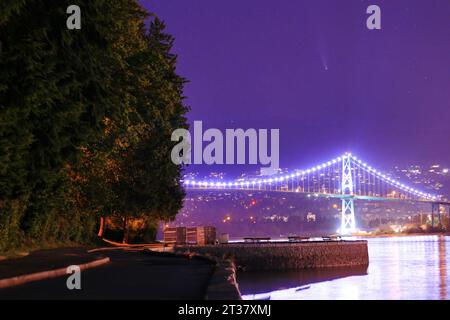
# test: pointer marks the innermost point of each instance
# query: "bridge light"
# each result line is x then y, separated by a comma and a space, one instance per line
186, 182
297, 174
333, 161
270, 180
292, 175
339, 159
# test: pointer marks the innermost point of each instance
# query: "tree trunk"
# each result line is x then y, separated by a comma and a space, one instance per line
125, 230
102, 227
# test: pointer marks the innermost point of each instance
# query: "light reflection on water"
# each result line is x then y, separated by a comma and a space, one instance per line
400, 268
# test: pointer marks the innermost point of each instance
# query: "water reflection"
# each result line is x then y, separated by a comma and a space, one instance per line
442, 268
400, 268
263, 284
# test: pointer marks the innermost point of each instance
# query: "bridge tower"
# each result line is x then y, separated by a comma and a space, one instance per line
435, 210
348, 208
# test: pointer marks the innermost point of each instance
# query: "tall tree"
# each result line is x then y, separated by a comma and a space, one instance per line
75, 105
143, 182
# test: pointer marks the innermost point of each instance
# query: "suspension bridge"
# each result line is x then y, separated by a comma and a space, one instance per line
345, 177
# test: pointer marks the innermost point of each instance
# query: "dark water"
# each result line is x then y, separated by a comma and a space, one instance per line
415, 267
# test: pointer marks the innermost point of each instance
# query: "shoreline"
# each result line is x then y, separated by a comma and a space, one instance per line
402, 235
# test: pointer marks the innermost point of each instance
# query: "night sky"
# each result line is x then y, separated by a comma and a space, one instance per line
313, 70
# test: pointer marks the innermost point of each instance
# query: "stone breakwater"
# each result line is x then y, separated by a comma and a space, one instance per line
287, 255
223, 283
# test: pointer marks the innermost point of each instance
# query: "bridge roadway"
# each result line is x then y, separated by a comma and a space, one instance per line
325, 195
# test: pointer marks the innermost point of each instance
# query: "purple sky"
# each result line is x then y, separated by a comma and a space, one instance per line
313, 70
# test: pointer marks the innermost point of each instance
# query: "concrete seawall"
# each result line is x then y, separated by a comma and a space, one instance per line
288, 255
